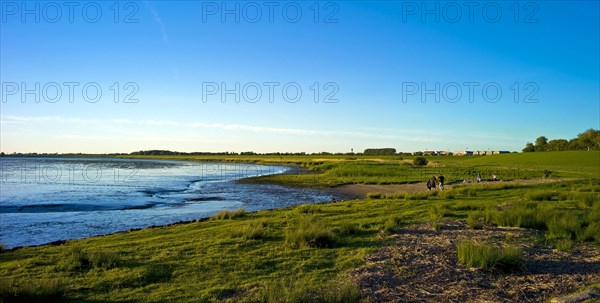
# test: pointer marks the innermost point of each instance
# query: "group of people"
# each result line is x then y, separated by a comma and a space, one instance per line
478, 178
431, 183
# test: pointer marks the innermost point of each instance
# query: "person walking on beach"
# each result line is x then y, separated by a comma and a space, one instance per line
441, 178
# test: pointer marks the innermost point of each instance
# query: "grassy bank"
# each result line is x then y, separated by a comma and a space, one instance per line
322, 171
299, 254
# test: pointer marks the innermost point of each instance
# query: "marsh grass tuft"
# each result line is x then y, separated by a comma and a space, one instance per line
374, 196
392, 223
143, 276
347, 229
341, 291
40, 290
541, 195
311, 232
488, 257
592, 232
439, 210
563, 244
252, 231
308, 209
475, 220
76, 259
229, 214
304, 290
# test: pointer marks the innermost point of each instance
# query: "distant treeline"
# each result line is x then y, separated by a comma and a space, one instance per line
588, 140
166, 153
379, 151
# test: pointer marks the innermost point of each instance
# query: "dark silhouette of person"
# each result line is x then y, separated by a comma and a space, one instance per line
441, 179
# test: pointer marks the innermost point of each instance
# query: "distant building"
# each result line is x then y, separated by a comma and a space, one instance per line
464, 153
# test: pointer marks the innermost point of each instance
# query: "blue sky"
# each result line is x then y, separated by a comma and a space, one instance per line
370, 61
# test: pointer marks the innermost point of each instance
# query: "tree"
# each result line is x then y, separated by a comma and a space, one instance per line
529, 148
540, 143
420, 161
557, 145
589, 139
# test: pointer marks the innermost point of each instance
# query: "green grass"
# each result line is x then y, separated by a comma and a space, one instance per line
324, 171
304, 253
229, 214
476, 220
36, 290
239, 259
310, 231
76, 259
489, 257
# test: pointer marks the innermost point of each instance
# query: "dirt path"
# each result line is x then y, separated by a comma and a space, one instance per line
360, 191
421, 266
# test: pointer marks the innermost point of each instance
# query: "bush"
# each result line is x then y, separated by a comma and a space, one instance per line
420, 161
43, 290
488, 257
311, 232
229, 214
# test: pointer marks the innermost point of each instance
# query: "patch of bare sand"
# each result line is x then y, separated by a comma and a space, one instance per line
421, 266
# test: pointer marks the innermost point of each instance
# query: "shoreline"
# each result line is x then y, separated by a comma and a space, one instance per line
294, 169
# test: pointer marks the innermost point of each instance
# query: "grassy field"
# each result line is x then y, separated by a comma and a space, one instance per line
303, 254
328, 171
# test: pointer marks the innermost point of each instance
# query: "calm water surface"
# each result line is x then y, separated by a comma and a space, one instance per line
47, 199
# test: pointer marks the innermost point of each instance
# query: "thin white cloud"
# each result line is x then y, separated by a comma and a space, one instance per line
158, 21
403, 136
